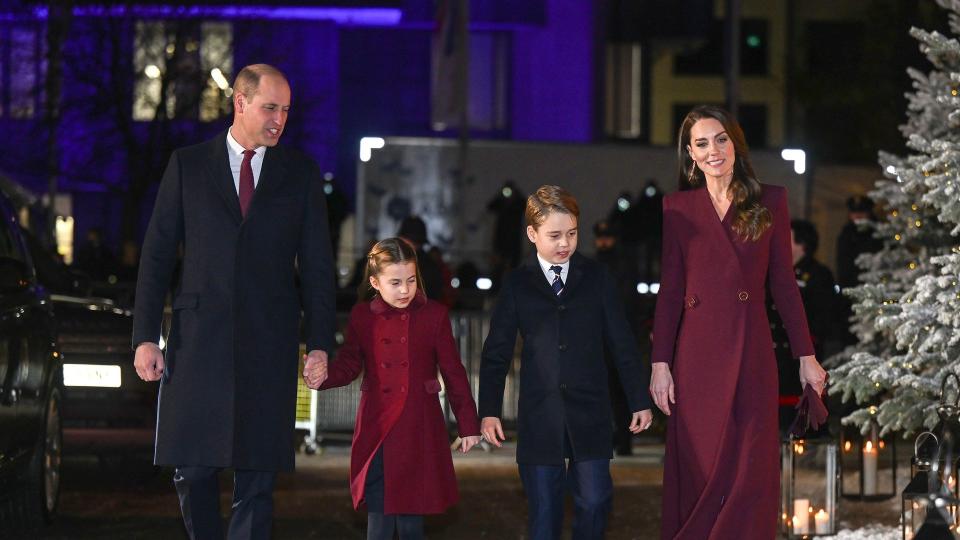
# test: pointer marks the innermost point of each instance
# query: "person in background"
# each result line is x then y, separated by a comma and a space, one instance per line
414, 230
819, 295
609, 254
94, 258
855, 238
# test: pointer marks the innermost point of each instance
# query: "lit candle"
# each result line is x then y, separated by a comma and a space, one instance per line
801, 516
822, 521
869, 469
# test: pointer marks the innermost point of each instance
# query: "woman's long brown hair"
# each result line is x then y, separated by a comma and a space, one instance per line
751, 218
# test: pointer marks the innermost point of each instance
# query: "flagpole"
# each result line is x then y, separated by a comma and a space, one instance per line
463, 139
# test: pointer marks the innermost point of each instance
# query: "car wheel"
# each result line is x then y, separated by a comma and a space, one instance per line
42, 492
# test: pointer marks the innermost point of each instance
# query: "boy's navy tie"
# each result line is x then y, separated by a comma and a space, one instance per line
557, 282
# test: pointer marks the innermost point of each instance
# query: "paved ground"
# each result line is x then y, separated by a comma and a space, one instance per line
125, 498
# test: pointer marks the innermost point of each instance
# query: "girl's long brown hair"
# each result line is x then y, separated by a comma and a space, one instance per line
751, 218
386, 252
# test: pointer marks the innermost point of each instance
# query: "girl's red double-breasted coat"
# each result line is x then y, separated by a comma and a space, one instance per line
721, 472
399, 352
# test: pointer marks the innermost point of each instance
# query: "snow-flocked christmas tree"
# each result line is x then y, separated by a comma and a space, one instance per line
907, 312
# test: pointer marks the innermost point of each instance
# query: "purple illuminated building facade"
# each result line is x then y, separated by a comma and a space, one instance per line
358, 71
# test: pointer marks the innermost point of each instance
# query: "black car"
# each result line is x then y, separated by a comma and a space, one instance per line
30, 387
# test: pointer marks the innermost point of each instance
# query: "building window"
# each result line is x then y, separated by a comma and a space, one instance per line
182, 70
623, 91
23, 69
707, 59
752, 118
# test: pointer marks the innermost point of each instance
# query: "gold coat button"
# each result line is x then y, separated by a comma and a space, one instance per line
743, 296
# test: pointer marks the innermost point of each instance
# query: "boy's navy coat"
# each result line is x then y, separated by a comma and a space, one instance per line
563, 376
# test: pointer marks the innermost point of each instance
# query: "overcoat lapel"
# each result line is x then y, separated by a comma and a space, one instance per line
573, 279
271, 176
719, 230
537, 279
218, 169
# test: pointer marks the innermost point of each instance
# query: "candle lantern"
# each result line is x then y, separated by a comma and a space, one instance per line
929, 508
809, 487
868, 463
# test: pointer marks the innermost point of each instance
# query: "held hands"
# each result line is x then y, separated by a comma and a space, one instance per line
661, 387
148, 361
492, 430
315, 368
641, 421
466, 443
811, 373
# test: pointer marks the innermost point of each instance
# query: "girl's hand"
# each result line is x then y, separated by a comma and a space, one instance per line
661, 387
466, 443
811, 373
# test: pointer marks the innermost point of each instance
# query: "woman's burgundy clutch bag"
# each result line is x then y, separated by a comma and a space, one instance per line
811, 413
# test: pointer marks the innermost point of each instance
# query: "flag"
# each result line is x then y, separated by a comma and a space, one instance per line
450, 61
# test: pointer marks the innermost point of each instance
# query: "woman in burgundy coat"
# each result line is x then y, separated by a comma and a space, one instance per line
400, 463
714, 371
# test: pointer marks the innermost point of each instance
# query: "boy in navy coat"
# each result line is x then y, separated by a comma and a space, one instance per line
566, 308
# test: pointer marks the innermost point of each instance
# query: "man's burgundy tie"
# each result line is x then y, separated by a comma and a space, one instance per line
246, 181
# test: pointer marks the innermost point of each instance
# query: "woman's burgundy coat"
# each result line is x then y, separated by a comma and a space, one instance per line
399, 351
721, 473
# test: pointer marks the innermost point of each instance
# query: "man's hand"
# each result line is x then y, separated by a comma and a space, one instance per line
315, 368
491, 429
148, 361
641, 421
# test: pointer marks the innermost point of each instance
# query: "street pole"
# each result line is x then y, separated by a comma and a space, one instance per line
731, 55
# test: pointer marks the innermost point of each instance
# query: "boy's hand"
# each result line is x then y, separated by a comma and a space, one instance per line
466, 443
491, 429
641, 421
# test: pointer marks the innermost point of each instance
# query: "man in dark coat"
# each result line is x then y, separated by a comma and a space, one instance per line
248, 215
855, 238
820, 300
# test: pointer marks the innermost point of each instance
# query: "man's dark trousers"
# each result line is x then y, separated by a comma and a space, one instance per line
199, 491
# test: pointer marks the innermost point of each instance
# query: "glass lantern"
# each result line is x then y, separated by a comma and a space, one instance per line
809, 486
868, 463
929, 505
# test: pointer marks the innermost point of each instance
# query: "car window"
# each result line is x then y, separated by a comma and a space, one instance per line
9, 247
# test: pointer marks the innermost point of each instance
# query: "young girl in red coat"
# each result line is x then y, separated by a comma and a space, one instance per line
400, 464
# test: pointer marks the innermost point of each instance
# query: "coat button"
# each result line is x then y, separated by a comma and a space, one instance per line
403, 388
385, 341
403, 317
403, 364
384, 365
403, 339
743, 296
563, 346
562, 307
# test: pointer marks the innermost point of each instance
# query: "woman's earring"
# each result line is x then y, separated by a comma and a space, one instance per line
693, 170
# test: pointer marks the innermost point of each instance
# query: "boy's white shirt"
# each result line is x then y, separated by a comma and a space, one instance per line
548, 273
